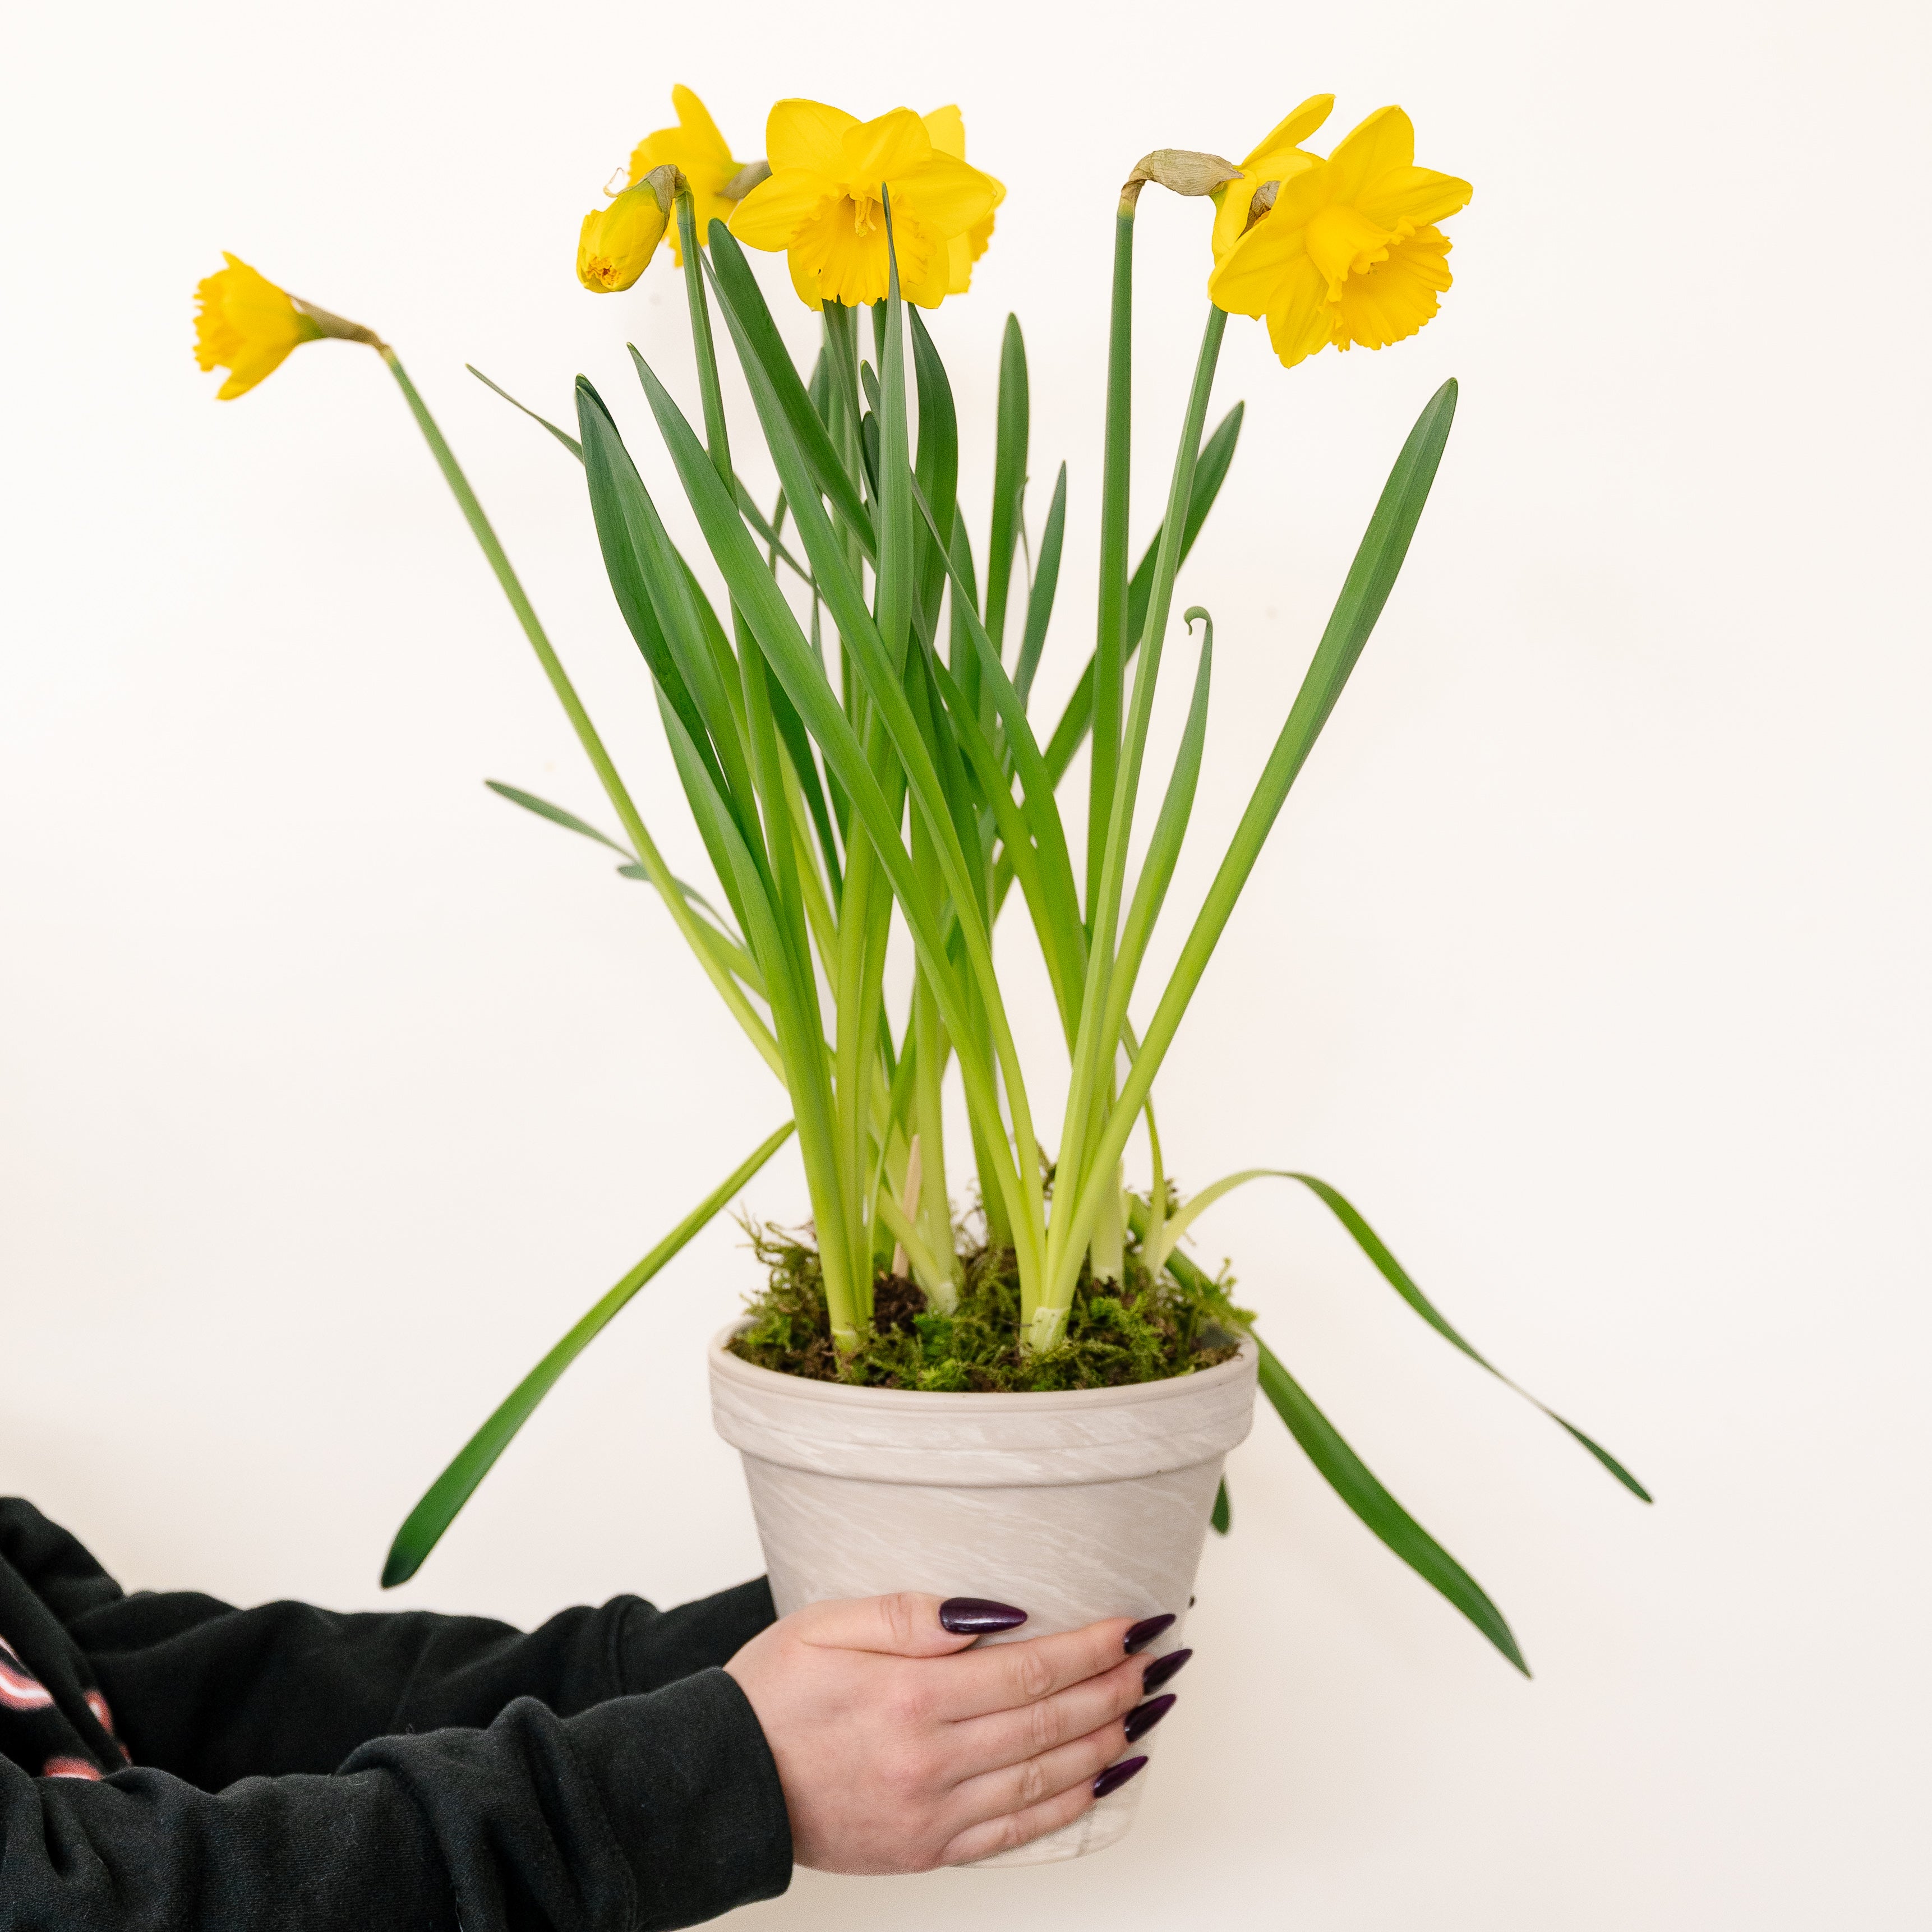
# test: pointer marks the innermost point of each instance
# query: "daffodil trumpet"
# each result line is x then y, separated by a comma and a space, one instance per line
857, 750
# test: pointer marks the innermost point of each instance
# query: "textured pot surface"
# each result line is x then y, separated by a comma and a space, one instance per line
1076, 1505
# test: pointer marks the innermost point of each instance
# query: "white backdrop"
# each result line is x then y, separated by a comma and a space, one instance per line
1591, 955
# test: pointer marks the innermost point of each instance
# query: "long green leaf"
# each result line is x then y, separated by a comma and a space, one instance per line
570, 442
1045, 584
1393, 1272
753, 514
1345, 1472
555, 814
1009, 478
446, 1495
723, 943
936, 468
758, 335
1355, 1482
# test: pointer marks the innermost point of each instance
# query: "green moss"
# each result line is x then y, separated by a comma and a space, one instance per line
1140, 1331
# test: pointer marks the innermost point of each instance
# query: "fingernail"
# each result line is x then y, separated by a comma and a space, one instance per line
1163, 1668
1115, 1775
1142, 1718
1140, 1635
974, 1616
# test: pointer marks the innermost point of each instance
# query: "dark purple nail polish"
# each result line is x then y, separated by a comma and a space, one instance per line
1140, 1635
1163, 1668
1142, 1718
1115, 1775
974, 1616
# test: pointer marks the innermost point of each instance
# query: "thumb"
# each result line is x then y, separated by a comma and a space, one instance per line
908, 1623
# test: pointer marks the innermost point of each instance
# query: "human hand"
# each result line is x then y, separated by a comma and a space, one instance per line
901, 1748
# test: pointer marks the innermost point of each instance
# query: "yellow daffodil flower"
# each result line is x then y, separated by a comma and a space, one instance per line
1274, 160
1349, 253
616, 244
947, 128
824, 204
245, 324
696, 150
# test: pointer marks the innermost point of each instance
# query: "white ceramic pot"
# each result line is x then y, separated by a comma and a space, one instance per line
1087, 1504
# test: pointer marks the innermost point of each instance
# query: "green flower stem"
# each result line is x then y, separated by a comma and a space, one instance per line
717, 438
1095, 1054
649, 857
1110, 643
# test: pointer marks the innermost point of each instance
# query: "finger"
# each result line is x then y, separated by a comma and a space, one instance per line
903, 1624
1018, 1827
978, 1744
998, 1794
1002, 1676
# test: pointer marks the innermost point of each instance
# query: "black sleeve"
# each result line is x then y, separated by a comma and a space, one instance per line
213, 1693
645, 1814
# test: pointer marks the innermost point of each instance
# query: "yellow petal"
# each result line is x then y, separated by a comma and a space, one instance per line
251, 369
1300, 319
804, 280
806, 134
884, 150
700, 131
946, 128
696, 148
1234, 204
1414, 196
1397, 296
776, 211
1244, 281
958, 265
1384, 142
246, 325
947, 196
1293, 131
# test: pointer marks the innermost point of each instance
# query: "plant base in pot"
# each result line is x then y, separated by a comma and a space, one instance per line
1075, 1505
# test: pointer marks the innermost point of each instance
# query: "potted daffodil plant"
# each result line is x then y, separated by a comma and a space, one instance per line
1035, 1397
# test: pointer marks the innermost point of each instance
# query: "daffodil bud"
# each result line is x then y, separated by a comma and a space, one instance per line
616, 244
1181, 171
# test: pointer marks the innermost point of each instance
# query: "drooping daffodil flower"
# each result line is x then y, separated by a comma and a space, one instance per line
698, 151
615, 245
246, 325
1273, 159
825, 204
1349, 253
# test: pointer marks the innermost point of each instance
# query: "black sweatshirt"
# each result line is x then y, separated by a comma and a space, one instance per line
170, 1764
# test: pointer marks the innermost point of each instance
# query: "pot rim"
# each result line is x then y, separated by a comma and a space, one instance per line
803, 1388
